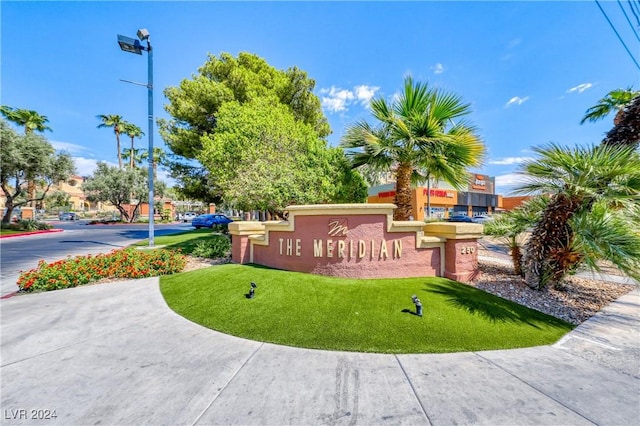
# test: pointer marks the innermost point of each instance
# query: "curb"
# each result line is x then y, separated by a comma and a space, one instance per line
31, 233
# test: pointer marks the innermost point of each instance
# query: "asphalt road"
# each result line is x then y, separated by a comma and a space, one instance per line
23, 253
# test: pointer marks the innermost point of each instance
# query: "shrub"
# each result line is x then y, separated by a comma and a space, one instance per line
27, 225
216, 246
79, 270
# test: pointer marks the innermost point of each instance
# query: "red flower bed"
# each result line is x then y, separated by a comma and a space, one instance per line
79, 270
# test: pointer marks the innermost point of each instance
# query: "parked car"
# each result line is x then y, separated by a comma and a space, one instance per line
210, 220
482, 218
68, 216
189, 216
460, 218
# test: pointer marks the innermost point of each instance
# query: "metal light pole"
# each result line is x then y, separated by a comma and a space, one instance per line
132, 45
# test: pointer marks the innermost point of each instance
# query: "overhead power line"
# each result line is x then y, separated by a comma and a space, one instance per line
617, 34
629, 21
633, 8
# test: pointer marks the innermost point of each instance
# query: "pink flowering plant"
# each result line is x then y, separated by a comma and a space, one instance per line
123, 263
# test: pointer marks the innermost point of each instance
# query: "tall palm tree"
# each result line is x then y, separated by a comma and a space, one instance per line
134, 156
613, 102
116, 122
132, 131
578, 180
29, 119
159, 157
626, 131
417, 138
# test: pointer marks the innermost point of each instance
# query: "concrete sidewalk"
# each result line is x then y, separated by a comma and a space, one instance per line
116, 354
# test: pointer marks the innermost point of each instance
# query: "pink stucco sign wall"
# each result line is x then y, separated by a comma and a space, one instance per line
357, 240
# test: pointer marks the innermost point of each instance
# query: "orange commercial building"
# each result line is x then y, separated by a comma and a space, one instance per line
480, 198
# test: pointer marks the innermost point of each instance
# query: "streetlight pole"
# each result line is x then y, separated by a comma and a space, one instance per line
131, 45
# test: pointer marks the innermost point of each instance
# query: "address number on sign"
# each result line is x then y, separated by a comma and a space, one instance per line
467, 250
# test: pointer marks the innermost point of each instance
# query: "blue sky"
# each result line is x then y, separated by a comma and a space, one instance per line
529, 69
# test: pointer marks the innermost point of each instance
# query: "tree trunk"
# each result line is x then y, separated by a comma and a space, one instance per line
626, 131
550, 237
119, 153
403, 192
131, 154
516, 257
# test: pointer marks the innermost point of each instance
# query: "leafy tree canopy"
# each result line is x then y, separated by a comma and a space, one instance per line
27, 158
261, 157
120, 187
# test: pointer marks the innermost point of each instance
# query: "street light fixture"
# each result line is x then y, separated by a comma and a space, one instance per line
132, 45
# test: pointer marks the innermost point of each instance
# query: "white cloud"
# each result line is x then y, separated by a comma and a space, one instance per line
337, 99
580, 88
510, 161
516, 100
71, 148
513, 43
507, 182
438, 68
85, 166
365, 93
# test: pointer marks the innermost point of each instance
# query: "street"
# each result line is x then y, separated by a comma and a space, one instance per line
23, 253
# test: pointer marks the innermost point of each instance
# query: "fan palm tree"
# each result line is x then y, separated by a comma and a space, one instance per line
116, 122
416, 138
613, 102
133, 132
511, 227
578, 180
134, 156
626, 131
29, 119
159, 157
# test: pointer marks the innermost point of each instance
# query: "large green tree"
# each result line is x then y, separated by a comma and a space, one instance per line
195, 103
262, 158
117, 123
120, 187
603, 182
29, 158
419, 135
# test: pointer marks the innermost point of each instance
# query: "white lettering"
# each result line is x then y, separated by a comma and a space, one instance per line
329, 248
289, 246
383, 250
397, 249
317, 248
281, 241
341, 245
362, 248
298, 247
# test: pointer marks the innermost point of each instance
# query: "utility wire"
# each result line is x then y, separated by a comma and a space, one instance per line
616, 31
633, 10
629, 21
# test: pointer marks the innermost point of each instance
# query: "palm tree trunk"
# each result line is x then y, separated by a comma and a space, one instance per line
626, 131
403, 192
132, 151
119, 153
516, 257
428, 196
550, 239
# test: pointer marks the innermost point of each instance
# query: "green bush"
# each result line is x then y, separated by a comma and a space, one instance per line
27, 225
216, 246
79, 270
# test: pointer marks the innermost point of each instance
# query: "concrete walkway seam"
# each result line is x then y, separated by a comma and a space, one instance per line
413, 389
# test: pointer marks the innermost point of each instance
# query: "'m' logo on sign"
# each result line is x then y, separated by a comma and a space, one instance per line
338, 227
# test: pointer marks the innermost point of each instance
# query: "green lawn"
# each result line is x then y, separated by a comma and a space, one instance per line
313, 311
10, 232
185, 241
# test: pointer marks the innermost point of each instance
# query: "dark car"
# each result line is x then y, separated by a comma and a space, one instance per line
68, 216
210, 220
460, 218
